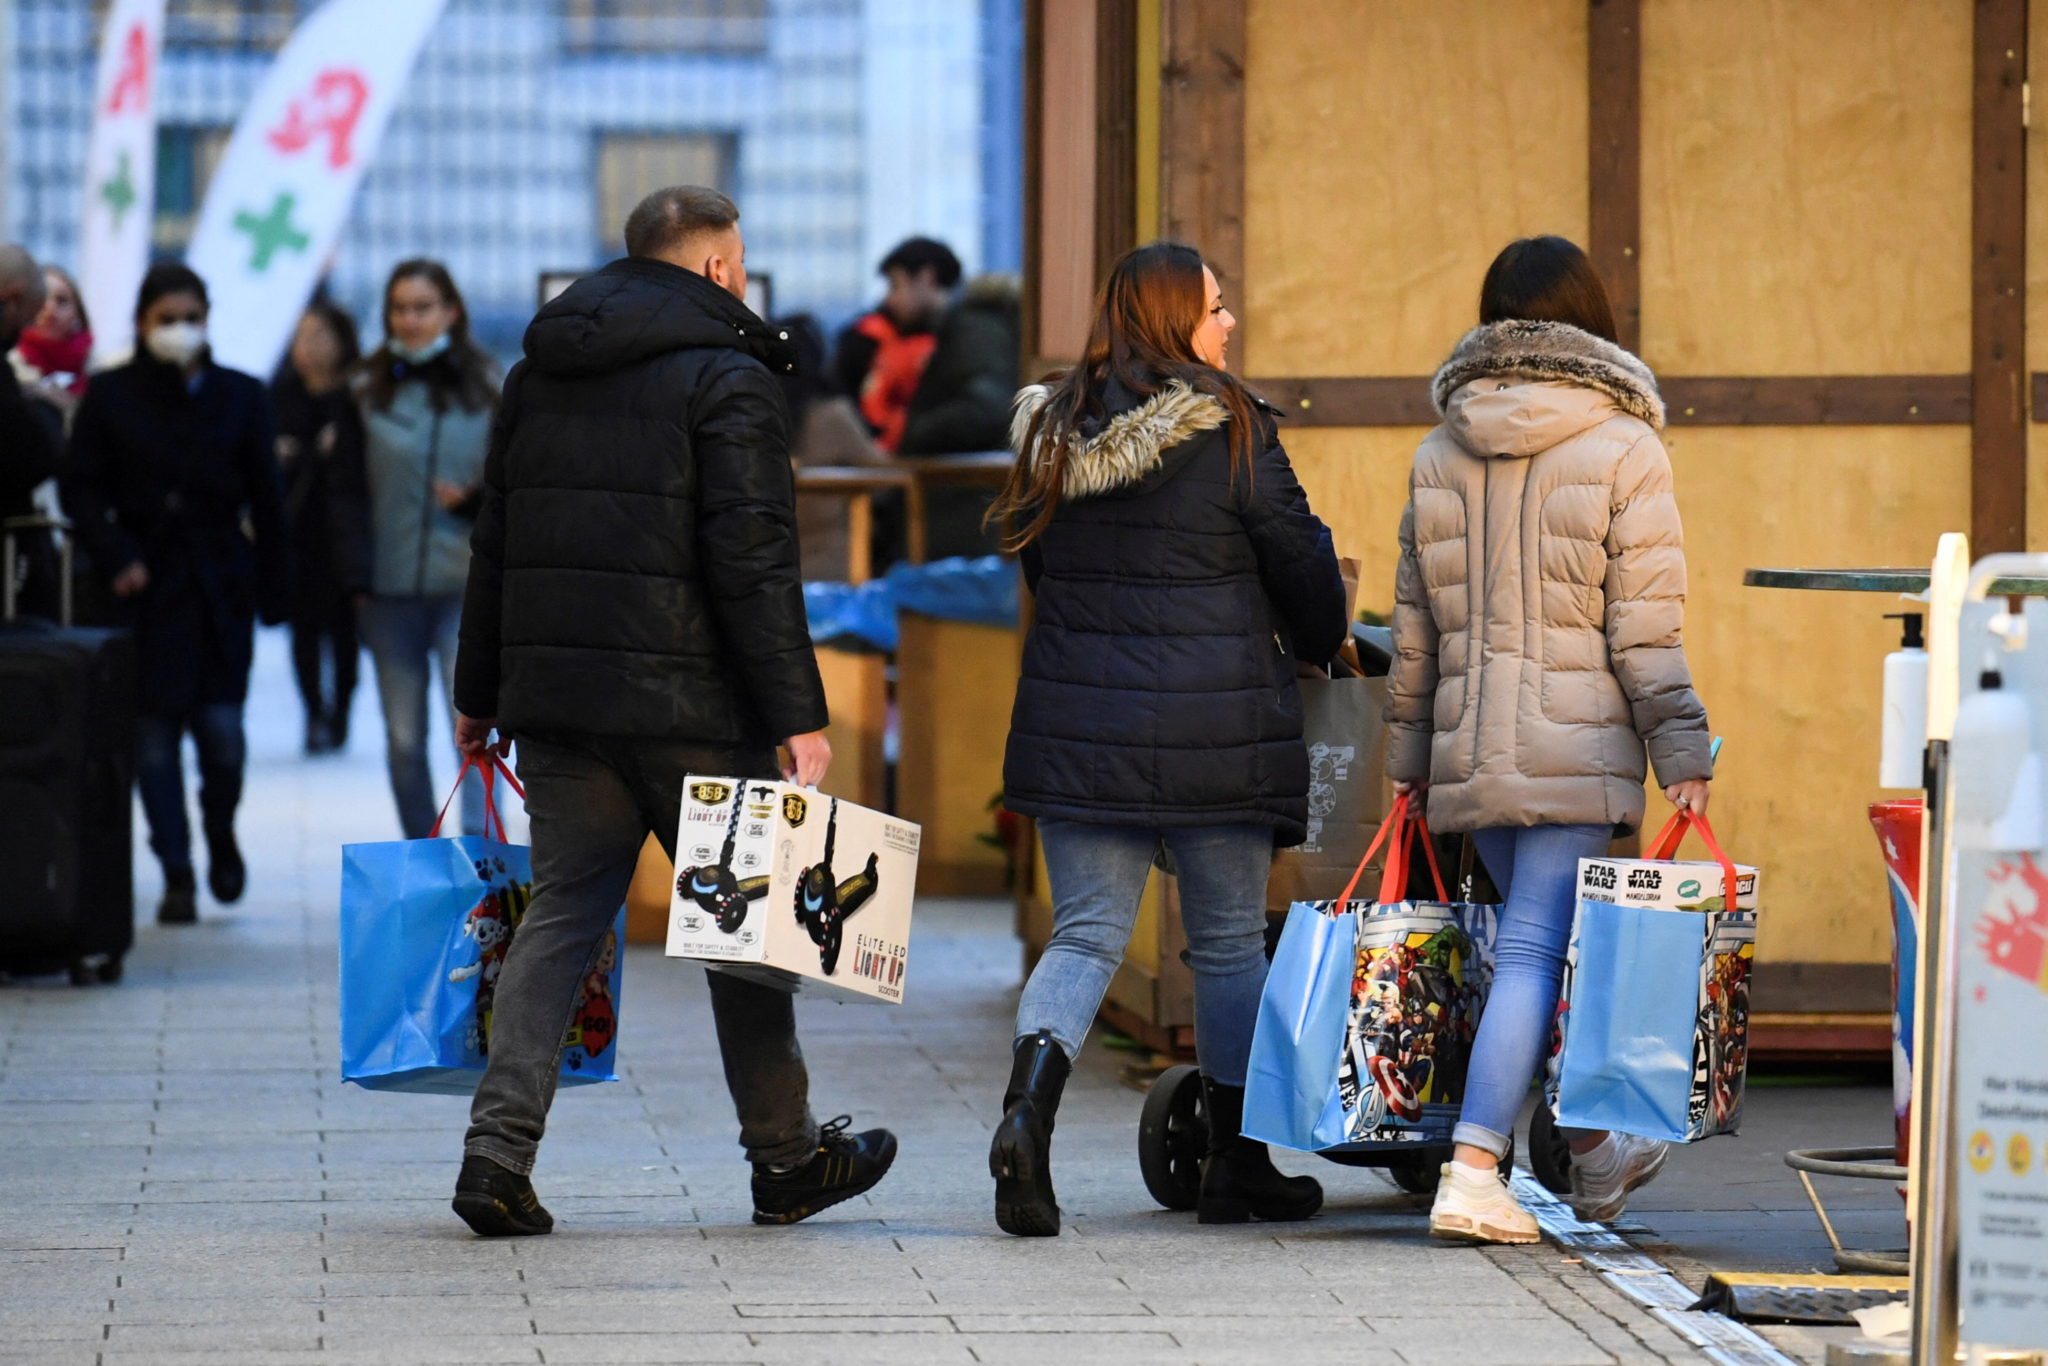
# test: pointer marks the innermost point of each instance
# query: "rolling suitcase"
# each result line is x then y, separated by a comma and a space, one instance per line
67, 771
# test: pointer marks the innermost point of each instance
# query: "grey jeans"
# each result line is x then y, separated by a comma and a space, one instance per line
592, 802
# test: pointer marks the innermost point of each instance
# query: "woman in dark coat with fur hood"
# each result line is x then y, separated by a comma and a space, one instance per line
1179, 573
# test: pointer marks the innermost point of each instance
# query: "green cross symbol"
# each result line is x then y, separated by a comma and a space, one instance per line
119, 191
271, 232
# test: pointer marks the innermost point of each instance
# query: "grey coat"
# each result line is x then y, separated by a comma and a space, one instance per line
1540, 596
416, 547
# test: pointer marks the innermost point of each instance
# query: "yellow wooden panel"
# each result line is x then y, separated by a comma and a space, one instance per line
954, 685
1357, 482
1792, 679
1806, 186
647, 900
857, 695
1391, 150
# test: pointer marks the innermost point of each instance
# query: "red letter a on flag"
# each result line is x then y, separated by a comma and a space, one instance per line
131, 88
331, 108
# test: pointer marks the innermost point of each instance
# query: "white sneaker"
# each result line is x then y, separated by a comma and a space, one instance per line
1603, 1178
1477, 1207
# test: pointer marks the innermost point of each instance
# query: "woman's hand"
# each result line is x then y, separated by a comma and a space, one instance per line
131, 581
1690, 796
1416, 790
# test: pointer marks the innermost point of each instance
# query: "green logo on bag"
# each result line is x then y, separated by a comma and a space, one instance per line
1690, 887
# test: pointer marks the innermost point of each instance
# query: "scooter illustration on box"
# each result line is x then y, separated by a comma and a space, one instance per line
824, 905
714, 888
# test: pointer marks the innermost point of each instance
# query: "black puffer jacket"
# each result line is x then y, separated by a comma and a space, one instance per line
1156, 691
634, 565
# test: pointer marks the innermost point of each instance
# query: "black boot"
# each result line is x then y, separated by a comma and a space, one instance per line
226, 875
1239, 1181
180, 905
1020, 1158
498, 1202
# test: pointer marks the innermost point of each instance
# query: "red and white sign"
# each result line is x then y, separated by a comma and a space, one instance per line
120, 175
281, 197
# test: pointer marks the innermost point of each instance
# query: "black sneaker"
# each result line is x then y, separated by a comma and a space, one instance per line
180, 905
844, 1166
226, 875
498, 1202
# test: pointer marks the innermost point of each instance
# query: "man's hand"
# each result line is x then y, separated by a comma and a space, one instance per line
132, 581
473, 737
1688, 796
450, 496
809, 756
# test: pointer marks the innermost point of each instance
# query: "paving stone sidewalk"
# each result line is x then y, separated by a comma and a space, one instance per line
186, 1180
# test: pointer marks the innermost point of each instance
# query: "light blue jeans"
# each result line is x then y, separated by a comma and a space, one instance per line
1098, 877
405, 636
1536, 870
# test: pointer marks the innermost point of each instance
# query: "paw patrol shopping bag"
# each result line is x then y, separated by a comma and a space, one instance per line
1654, 1034
425, 927
1365, 1028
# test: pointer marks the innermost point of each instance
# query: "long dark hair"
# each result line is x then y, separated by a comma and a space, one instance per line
1547, 279
464, 373
1143, 337
336, 320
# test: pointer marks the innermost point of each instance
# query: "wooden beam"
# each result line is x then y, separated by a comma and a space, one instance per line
1998, 250
1029, 348
1116, 113
2039, 407
1201, 138
1704, 401
1614, 168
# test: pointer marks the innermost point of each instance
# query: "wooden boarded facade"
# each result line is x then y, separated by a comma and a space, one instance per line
1814, 217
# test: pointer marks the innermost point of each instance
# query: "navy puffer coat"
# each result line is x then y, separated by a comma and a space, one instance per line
1158, 683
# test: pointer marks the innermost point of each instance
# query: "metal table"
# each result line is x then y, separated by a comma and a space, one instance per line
1901, 581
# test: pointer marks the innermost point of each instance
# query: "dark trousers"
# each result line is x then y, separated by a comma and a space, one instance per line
592, 802
216, 730
324, 628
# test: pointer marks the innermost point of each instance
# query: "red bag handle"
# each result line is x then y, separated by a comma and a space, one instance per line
491, 770
1404, 828
1665, 847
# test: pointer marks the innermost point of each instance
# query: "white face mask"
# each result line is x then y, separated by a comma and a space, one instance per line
176, 343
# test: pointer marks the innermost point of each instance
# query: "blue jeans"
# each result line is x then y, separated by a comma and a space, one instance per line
160, 775
405, 636
1537, 871
1098, 877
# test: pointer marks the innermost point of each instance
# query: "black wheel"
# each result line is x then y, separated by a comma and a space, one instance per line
110, 971
1173, 1134
1549, 1157
1418, 1175
82, 973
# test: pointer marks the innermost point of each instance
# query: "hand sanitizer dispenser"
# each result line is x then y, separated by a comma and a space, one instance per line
1997, 775
1902, 756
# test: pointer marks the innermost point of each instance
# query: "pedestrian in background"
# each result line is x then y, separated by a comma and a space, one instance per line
31, 441
1179, 574
405, 502
634, 617
171, 456
318, 427
51, 356
883, 353
1532, 670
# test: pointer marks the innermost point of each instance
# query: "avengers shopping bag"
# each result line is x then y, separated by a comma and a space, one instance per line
1365, 1028
425, 926
1653, 1037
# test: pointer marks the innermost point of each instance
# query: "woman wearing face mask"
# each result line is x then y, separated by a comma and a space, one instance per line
1172, 552
404, 507
170, 456
318, 426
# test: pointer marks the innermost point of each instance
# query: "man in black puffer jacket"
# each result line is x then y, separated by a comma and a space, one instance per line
634, 616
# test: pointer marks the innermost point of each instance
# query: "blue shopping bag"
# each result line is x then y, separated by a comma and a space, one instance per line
1656, 1020
425, 925
1368, 1013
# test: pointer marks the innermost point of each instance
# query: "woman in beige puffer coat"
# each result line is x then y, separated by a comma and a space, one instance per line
1537, 617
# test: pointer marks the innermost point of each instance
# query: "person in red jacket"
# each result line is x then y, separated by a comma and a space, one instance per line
883, 353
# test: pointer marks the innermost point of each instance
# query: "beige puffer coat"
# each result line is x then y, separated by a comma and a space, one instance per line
1541, 590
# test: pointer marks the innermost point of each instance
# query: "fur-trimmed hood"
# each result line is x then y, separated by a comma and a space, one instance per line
1551, 354
1127, 447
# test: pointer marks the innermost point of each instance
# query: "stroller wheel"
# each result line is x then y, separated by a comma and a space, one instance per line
1173, 1134
1418, 1175
1549, 1157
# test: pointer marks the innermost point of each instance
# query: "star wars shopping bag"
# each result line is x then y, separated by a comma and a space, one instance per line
1653, 1038
425, 926
1365, 1027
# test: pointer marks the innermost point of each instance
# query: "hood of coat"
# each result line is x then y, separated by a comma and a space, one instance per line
1518, 388
637, 308
1129, 445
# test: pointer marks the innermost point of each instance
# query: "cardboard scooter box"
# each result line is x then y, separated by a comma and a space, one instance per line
783, 881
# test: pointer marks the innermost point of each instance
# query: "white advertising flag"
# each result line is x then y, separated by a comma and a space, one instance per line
120, 175
281, 196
